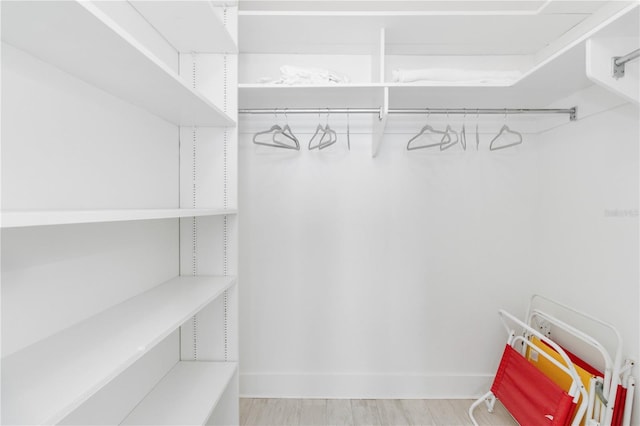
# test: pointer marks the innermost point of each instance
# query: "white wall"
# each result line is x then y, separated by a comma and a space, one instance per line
370, 277
381, 277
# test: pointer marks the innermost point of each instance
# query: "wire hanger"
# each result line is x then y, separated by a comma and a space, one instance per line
504, 133
427, 129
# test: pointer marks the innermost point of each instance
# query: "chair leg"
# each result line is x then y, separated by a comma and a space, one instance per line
483, 398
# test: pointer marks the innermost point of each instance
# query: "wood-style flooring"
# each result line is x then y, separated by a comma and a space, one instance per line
376, 412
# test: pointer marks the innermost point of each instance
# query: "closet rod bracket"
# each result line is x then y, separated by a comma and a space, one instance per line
573, 114
619, 63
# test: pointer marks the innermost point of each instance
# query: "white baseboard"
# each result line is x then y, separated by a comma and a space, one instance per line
363, 386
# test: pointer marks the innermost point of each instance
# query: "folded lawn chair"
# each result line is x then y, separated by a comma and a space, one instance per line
612, 406
529, 395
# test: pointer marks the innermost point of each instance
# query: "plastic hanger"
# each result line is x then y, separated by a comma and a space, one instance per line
504, 132
323, 136
287, 133
446, 145
446, 138
270, 138
450, 131
258, 140
317, 136
331, 135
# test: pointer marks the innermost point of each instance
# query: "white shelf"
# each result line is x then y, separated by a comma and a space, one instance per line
368, 95
530, 91
81, 40
190, 26
187, 395
408, 32
44, 382
24, 218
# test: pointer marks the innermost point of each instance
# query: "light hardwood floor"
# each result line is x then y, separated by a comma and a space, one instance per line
376, 412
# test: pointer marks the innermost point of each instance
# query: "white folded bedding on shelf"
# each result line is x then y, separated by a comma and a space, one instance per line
293, 75
453, 75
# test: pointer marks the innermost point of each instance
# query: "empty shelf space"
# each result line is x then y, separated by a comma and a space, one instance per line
44, 382
81, 40
190, 26
25, 218
187, 395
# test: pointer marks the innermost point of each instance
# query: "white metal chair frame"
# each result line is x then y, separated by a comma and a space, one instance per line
615, 372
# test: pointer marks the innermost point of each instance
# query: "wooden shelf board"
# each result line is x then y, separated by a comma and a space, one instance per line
26, 218
81, 40
187, 395
44, 382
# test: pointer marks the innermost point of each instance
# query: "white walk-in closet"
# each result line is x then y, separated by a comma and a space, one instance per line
265, 212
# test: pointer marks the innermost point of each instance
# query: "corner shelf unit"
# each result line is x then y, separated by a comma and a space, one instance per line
46, 381
80, 39
110, 325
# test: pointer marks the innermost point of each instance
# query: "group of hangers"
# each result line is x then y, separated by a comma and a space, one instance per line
278, 137
283, 137
448, 137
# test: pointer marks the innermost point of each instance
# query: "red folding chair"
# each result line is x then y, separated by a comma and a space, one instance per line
529, 396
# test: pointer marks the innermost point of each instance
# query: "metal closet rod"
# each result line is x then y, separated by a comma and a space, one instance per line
621, 60
451, 111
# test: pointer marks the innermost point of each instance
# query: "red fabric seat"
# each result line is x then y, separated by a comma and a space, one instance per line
531, 397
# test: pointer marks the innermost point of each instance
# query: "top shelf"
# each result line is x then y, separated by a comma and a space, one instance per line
190, 26
432, 31
81, 40
540, 79
529, 91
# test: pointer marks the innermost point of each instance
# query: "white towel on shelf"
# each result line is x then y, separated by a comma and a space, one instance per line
453, 75
293, 75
